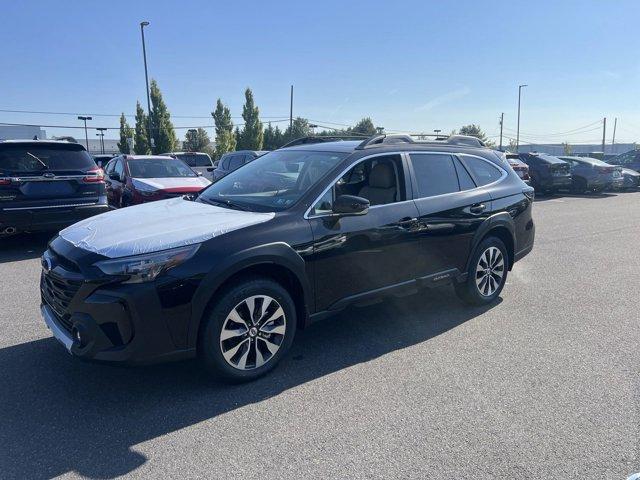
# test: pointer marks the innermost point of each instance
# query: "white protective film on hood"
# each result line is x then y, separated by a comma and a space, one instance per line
156, 226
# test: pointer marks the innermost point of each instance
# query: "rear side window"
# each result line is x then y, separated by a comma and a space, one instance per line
435, 174
236, 162
483, 171
30, 158
465, 180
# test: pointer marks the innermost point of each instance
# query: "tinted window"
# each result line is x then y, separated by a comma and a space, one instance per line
435, 174
482, 170
30, 157
195, 159
119, 168
109, 167
465, 180
159, 168
236, 162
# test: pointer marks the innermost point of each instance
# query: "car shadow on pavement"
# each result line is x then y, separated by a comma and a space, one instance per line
23, 246
59, 414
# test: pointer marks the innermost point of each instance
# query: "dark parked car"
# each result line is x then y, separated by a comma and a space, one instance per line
298, 234
631, 178
631, 160
548, 173
234, 160
47, 185
102, 160
134, 179
521, 168
591, 174
199, 162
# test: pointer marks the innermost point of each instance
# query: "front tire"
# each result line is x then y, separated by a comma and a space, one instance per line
487, 273
248, 330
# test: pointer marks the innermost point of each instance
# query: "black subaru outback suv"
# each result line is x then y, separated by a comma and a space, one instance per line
47, 185
229, 275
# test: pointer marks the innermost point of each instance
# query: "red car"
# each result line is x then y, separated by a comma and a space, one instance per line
521, 168
135, 179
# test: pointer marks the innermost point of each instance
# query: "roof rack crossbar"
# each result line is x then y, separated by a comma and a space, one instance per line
319, 139
385, 138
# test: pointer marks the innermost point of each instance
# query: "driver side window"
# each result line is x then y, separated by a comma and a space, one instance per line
380, 180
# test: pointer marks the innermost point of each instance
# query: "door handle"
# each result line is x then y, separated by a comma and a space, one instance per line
407, 222
478, 208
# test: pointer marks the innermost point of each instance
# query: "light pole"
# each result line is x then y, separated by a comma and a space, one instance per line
146, 77
437, 132
101, 135
518, 130
86, 135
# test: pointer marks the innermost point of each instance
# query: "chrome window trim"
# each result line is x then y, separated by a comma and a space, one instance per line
406, 154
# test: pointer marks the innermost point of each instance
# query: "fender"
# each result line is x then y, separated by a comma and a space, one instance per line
278, 253
501, 219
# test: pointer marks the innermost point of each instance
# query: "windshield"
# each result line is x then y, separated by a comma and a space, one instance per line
274, 181
195, 159
159, 168
33, 158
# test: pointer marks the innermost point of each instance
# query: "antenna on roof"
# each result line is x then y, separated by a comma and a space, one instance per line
35, 137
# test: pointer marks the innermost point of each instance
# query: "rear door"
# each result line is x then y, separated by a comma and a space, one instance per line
40, 176
452, 204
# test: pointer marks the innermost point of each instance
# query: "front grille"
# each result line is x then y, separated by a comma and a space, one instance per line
58, 287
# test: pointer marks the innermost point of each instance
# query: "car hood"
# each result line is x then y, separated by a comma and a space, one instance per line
170, 184
156, 226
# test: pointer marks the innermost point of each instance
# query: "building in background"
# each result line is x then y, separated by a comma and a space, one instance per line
19, 132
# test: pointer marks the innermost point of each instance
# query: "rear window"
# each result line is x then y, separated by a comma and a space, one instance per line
550, 159
159, 168
195, 159
35, 158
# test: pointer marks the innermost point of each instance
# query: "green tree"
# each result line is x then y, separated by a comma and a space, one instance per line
251, 137
475, 131
141, 141
238, 136
225, 139
364, 127
196, 140
299, 128
126, 132
512, 146
567, 148
162, 132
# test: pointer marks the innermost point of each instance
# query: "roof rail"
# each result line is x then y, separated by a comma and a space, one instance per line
468, 140
385, 138
320, 139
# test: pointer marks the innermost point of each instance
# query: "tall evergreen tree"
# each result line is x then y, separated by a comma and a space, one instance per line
225, 139
196, 140
299, 128
162, 132
364, 127
141, 141
126, 132
238, 136
251, 137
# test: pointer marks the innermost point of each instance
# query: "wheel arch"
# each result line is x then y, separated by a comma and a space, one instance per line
277, 261
501, 226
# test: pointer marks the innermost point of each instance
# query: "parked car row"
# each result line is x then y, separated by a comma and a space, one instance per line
551, 174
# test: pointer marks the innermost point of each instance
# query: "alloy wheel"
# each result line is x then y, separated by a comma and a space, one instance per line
253, 332
490, 271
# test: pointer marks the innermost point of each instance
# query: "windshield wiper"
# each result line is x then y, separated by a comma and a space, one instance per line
225, 203
44, 165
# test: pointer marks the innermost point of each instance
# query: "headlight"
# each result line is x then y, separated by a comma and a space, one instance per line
145, 268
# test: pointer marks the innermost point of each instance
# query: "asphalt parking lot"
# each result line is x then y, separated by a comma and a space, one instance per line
544, 384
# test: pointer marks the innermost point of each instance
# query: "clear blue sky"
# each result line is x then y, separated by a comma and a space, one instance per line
411, 66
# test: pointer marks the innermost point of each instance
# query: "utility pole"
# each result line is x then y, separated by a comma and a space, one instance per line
101, 134
501, 124
291, 110
604, 133
613, 140
86, 135
146, 77
518, 131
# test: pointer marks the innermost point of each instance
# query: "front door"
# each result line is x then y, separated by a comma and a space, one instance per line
356, 255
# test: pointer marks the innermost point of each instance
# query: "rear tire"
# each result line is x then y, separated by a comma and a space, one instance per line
248, 330
487, 273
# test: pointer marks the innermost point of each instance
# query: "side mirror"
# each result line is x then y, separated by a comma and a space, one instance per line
350, 205
115, 176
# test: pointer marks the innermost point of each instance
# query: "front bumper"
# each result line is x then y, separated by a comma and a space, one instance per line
113, 322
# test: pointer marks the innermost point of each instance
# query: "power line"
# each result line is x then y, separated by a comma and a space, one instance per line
128, 115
